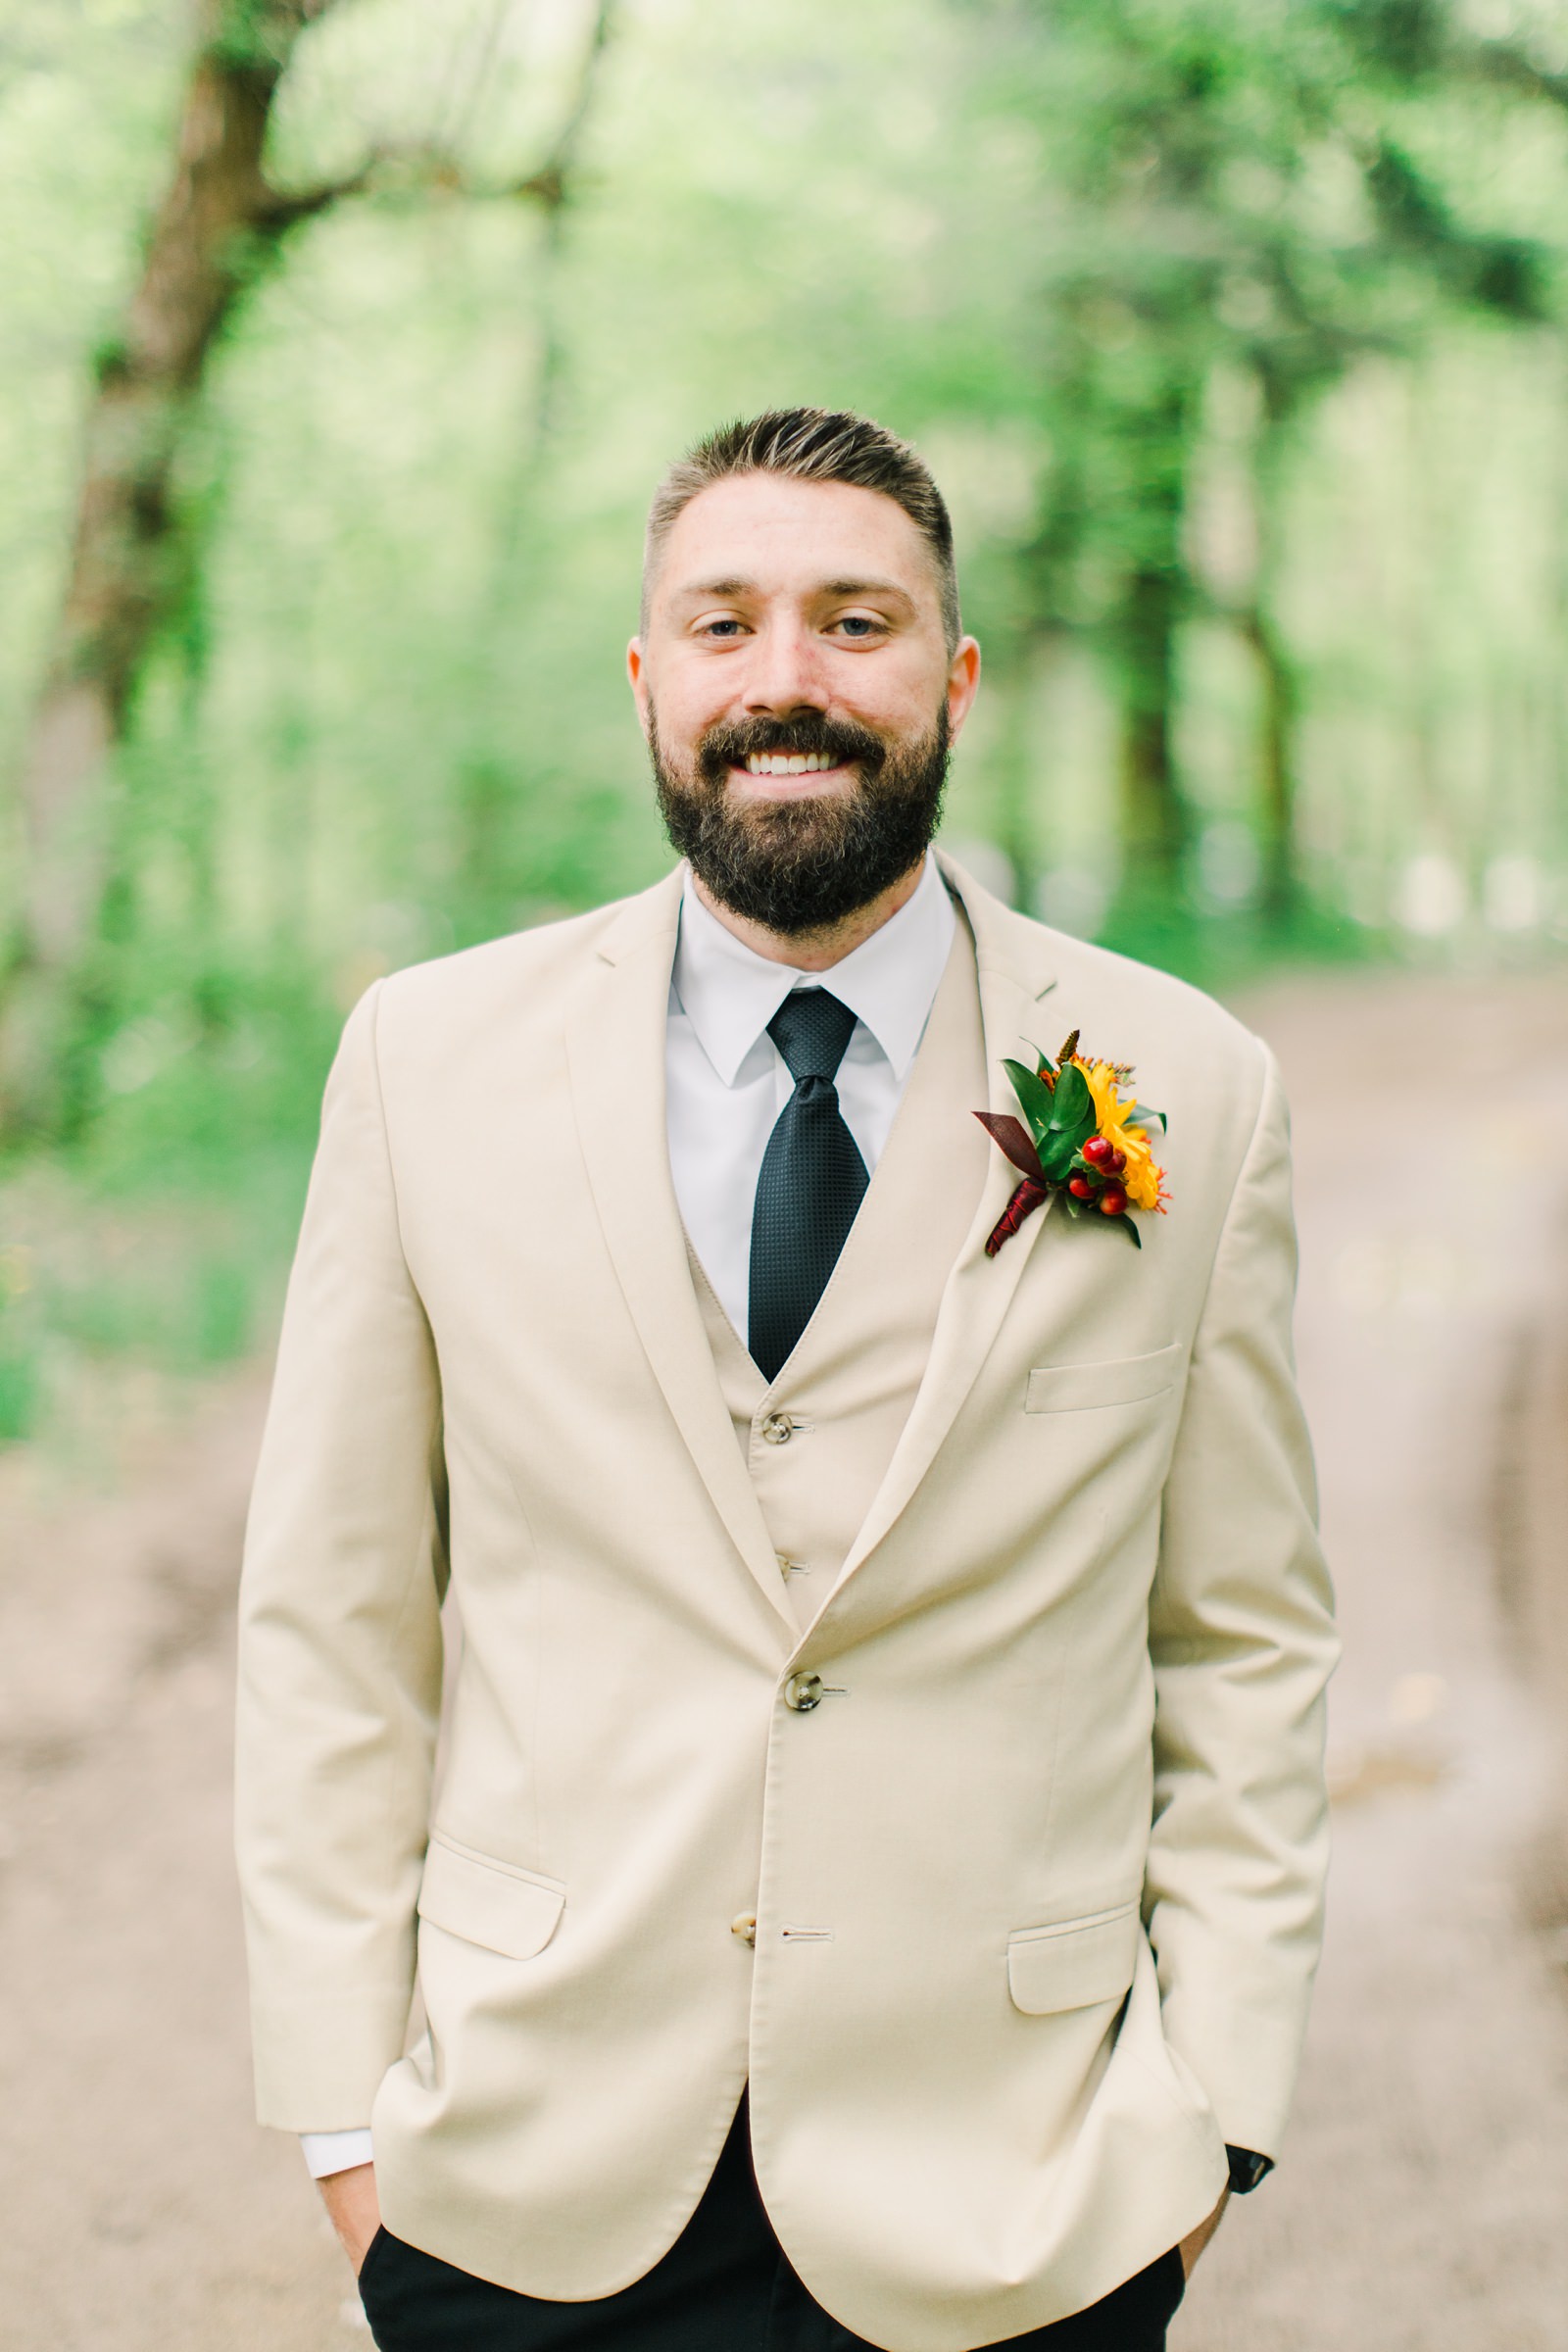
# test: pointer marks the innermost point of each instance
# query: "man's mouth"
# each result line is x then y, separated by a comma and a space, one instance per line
789, 763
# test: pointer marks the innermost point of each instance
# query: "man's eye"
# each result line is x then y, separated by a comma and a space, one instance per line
721, 628
858, 625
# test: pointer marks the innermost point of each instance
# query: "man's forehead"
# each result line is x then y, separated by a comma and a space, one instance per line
769, 529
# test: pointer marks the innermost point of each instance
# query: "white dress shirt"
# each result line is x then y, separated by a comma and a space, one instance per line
727, 1083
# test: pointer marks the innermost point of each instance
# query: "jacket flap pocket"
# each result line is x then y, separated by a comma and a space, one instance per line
1125, 1380
506, 1909
1075, 1962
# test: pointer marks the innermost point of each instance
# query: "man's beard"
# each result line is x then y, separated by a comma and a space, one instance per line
799, 865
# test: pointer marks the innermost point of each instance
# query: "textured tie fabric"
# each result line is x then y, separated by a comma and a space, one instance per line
813, 1179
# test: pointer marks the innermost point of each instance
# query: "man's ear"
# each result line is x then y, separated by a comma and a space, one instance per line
963, 684
637, 678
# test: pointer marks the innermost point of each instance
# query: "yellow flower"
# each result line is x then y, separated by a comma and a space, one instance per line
1142, 1178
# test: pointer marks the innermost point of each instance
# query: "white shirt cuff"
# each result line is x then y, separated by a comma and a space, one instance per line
335, 2151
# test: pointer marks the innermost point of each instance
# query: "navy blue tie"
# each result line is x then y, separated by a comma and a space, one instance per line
813, 1179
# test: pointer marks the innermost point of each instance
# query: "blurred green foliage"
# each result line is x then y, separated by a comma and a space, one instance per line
1230, 326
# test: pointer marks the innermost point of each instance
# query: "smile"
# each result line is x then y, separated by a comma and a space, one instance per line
788, 763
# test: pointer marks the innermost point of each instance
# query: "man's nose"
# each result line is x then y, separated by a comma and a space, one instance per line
784, 674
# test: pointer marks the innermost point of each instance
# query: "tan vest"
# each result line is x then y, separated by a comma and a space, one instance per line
818, 1443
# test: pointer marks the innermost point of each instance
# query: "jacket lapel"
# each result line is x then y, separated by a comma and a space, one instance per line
615, 1047
1013, 977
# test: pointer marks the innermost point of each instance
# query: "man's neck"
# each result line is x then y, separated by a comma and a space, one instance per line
816, 951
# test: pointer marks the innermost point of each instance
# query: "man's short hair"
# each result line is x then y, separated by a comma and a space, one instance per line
815, 445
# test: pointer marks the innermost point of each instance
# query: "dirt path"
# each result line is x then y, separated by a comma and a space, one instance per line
144, 2211
1423, 2203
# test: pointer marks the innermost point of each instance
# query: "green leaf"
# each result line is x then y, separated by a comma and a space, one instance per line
1142, 1116
1072, 1106
1060, 1118
1057, 1156
1034, 1096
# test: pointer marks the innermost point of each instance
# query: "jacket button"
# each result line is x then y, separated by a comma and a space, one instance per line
743, 1927
777, 1429
803, 1693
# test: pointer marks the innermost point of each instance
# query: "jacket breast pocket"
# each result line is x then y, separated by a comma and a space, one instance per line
1118, 1380
1074, 1962
496, 1904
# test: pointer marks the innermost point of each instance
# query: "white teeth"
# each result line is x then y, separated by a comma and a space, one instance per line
787, 763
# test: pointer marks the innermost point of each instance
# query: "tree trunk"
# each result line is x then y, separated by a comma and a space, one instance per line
1276, 764
1144, 637
1152, 826
1280, 689
217, 221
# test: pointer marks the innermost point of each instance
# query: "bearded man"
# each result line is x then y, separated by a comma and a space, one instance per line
780, 1778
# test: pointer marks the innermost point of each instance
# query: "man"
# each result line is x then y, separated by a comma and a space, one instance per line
864, 1869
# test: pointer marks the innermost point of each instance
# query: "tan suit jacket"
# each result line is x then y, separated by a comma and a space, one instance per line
1038, 1889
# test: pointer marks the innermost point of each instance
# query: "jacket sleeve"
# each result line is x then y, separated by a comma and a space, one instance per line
1242, 1642
340, 1635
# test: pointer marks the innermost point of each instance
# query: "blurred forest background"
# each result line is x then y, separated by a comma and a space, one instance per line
343, 341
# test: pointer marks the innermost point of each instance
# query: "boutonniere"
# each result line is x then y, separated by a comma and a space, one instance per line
1085, 1139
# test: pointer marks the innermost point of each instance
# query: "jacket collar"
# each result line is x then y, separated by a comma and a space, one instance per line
615, 1049
1014, 969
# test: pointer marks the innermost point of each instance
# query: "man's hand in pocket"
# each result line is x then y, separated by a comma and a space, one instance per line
352, 2209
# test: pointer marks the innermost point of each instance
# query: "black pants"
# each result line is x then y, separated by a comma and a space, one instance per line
723, 2286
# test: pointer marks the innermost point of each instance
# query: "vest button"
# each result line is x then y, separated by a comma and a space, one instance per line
743, 1927
777, 1429
803, 1693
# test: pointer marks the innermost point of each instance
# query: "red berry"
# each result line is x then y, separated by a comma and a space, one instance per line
1080, 1188
1116, 1163
1098, 1150
1112, 1201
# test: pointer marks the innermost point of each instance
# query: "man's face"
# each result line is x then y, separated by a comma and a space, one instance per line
797, 696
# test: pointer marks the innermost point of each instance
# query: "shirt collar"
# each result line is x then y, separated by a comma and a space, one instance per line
730, 993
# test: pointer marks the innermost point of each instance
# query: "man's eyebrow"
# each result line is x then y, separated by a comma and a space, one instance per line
732, 587
869, 587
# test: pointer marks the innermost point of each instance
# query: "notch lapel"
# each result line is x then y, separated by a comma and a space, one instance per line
615, 1049
1013, 977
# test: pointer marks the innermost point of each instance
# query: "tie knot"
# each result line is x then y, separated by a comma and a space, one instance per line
812, 1029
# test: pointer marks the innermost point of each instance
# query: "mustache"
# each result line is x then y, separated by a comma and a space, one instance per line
730, 743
